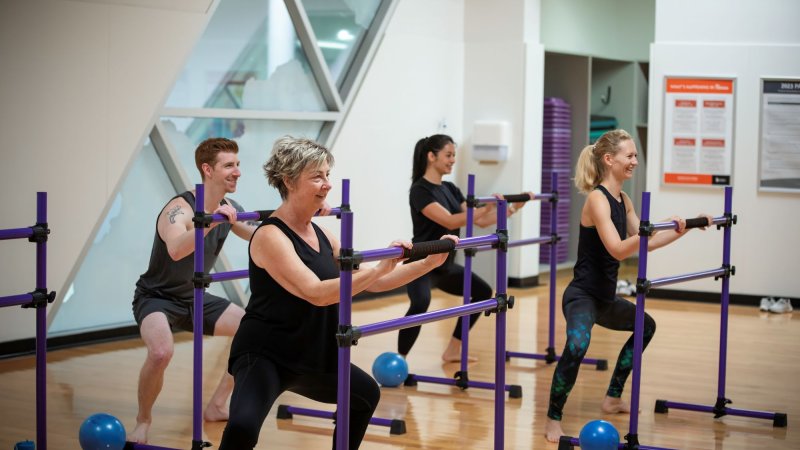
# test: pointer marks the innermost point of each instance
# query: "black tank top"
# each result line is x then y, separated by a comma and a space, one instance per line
289, 330
596, 270
170, 279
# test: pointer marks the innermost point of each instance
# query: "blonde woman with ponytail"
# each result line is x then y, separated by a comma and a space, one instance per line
608, 234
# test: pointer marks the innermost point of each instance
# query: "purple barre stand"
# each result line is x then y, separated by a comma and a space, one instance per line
719, 409
550, 353
38, 299
643, 285
349, 335
461, 378
201, 281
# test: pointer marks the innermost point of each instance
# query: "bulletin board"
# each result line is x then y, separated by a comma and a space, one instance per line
698, 131
779, 135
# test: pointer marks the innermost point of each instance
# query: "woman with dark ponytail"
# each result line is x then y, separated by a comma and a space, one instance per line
608, 234
438, 207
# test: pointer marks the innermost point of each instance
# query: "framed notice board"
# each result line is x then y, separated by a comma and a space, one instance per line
779, 135
698, 131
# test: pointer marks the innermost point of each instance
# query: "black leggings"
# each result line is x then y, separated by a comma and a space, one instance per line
582, 311
258, 382
450, 279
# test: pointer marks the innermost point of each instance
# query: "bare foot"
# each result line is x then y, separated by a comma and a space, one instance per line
612, 405
552, 430
446, 357
453, 352
214, 413
139, 434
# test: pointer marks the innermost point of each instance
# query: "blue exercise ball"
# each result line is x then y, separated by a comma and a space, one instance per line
102, 431
390, 369
599, 435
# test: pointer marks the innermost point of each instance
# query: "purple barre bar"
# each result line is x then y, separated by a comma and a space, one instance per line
494, 199
197, 334
728, 411
13, 300
432, 316
133, 446
16, 233
332, 415
518, 243
396, 252
687, 277
671, 225
576, 442
232, 275
256, 215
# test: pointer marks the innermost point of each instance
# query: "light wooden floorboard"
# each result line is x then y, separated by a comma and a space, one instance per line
680, 365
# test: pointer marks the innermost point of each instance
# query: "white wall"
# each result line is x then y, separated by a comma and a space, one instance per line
413, 86
504, 81
442, 65
765, 242
613, 29
80, 83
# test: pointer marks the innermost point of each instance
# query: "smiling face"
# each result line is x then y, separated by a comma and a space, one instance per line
621, 164
312, 186
225, 171
443, 160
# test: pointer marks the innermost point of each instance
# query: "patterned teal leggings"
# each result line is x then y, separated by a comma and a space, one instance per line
582, 311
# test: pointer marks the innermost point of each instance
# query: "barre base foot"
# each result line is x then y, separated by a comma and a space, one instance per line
565, 443
397, 427
283, 412
661, 407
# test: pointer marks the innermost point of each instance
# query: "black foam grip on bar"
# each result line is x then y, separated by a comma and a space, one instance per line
426, 248
696, 222
515, 198
263, 214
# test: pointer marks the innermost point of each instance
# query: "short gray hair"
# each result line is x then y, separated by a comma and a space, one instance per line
290, 157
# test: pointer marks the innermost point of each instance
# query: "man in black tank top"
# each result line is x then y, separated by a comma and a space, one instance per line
164, 295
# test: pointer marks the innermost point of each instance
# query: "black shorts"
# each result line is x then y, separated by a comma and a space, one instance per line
180, 314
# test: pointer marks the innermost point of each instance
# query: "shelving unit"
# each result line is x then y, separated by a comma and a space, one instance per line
601, 86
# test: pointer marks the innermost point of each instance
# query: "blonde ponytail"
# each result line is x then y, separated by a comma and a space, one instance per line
589, 170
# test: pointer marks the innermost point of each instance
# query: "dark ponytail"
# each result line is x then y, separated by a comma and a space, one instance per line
435, 144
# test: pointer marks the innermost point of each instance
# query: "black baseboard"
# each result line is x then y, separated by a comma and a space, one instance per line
525, 282
704, 297
27, 346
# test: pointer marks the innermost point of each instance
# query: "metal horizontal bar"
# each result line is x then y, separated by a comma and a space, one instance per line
687, 277
16, 233
419, 319
518, 243
396, 252
256, 215
225, 113
14, 300
232, 275
671, 225
321, 414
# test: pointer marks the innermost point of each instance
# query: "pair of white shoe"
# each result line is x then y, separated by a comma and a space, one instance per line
624, 287
777, 306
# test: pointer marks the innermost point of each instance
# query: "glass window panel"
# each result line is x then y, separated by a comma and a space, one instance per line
249, 57
255, 139
101, 294
340, 26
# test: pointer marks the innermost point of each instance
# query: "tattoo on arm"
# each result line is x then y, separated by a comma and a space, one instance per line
174, 212
254, 223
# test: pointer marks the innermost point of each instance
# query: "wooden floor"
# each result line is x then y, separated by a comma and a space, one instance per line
680, 365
